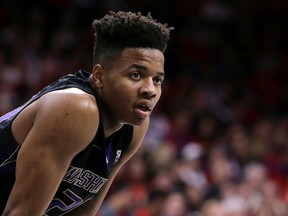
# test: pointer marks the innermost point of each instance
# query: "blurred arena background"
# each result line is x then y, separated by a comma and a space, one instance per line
218, 142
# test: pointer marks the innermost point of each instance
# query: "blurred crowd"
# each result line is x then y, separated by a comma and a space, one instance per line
218, 141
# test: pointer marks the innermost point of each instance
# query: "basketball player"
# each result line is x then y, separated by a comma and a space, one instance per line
60, 152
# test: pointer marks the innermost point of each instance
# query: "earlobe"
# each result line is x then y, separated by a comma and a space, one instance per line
97, 75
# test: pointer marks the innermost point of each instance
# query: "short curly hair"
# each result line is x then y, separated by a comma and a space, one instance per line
119, 30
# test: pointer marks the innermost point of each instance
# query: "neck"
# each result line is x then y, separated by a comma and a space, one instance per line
109, 125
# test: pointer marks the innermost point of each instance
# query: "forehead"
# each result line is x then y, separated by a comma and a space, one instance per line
143, 56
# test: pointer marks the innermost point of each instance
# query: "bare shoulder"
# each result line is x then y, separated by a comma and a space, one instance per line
68, 99
70, 114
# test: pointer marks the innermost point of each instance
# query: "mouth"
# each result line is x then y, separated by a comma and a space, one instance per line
143, 110
145, 107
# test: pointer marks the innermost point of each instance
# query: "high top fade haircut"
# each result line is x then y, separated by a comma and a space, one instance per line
119, 30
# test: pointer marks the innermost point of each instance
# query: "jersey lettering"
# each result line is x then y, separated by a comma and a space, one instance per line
84, 179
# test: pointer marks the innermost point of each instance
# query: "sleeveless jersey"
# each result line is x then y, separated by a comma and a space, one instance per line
89, 169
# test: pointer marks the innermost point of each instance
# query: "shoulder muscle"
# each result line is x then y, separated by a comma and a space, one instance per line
68, 117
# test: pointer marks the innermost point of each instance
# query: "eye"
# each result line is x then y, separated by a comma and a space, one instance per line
158, 80
135, 75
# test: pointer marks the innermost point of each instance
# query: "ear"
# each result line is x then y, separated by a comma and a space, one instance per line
97, 74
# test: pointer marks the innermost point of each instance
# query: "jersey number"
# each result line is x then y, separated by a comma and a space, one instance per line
62, 206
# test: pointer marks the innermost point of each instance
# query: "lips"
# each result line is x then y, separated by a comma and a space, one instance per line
143, 109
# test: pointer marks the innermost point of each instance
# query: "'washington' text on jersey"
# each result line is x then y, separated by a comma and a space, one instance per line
85, 179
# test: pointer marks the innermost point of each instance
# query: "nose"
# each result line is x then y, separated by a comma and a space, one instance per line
148, 89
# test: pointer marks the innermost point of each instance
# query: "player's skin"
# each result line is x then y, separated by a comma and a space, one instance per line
53, 129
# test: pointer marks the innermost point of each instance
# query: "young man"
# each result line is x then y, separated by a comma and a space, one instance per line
60, 152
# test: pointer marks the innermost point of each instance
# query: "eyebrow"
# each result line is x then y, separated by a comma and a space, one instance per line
143, 68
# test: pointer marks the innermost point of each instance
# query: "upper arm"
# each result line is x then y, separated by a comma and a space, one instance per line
63, 125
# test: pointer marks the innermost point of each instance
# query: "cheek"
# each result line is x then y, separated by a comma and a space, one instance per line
122, 94
158, 95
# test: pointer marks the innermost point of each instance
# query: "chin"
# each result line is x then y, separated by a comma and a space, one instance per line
137, 122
